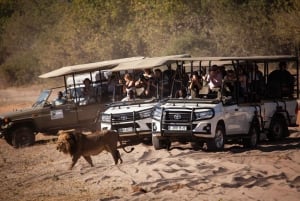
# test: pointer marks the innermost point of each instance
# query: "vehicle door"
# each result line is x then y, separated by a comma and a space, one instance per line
233, 118
246, 115
57, 117
87, 113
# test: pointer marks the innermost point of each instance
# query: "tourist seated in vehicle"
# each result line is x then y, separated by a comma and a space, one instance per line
230, 76
229, 84
114, 88
157, 82
195, 85
222, 71
255, 74
169, 75
112, 82
181, 93
280, 82
60, 100
143, 85
214, 79
148, 74
256, 83
170, 82
128, 87
242, 78
88, 91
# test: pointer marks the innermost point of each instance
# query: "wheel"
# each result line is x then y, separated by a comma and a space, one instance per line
217, 143
157, 143
253, 136
278, 129
160, 144
22, 137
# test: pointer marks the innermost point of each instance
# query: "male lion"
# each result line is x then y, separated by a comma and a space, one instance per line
77, 144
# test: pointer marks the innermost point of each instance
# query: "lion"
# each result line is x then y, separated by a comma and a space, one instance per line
77, 144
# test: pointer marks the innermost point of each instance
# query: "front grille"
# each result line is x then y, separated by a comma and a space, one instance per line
175, 116
130, 116
181, 120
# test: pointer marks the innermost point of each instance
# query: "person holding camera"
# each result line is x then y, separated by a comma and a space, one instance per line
144, 84
195, 85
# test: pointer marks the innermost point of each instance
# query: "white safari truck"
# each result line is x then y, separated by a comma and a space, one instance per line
254, 98
132, 118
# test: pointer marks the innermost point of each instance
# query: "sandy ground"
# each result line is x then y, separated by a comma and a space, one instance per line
39, 172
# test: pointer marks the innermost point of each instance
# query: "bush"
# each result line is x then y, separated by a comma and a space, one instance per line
20, 70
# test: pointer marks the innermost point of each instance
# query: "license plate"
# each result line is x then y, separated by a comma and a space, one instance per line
177, 128
129, 129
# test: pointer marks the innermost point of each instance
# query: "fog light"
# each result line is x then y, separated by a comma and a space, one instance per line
154, 127
207, 128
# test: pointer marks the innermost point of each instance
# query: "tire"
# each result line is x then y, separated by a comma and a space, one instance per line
23, 137
278, 129
160, 144
217, 143
253, 136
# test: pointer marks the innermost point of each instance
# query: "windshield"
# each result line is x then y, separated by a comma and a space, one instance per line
42, 99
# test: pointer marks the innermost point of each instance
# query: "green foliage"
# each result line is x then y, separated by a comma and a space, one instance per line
286, 21
20, 69
6, 10
44, 35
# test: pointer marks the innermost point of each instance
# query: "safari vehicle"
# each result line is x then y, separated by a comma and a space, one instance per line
132, 118
215, 118
19, 127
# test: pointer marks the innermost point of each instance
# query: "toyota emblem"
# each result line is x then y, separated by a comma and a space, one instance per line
177, 116
123, 118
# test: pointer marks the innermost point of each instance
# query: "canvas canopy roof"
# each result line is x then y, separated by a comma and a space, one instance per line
249, 58
207, 63
221, 61
148, 62
81, 68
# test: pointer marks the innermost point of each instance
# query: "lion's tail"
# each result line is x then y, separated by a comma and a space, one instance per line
122, 145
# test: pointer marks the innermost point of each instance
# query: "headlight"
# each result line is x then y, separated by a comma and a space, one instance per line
207, 114
157, 114
105, 117
145, 114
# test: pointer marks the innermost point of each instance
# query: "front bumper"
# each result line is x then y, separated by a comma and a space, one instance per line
202, 129
135, 128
